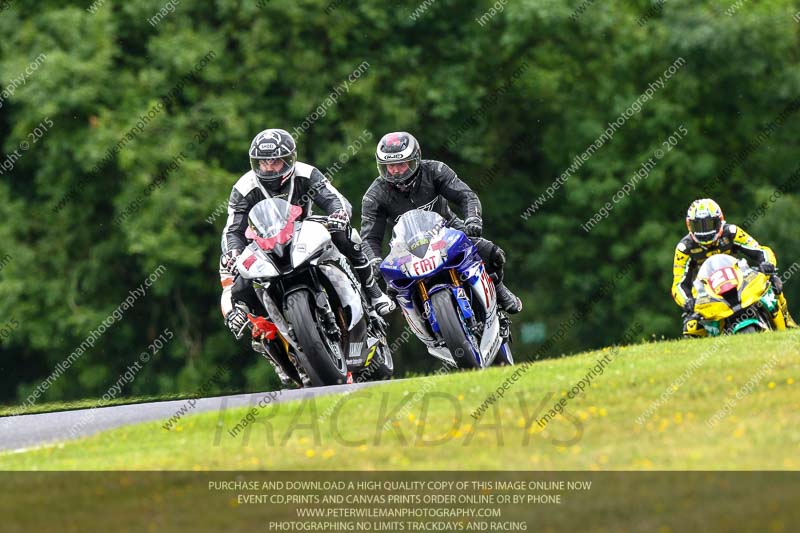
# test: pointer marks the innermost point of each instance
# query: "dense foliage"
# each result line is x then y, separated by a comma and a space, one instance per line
138, 118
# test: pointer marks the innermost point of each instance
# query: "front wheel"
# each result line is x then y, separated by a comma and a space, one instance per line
459, 341
322, 358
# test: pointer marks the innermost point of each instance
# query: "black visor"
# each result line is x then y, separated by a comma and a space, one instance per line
705, 229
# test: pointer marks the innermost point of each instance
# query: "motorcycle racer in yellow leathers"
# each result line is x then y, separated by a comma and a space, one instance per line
708, 235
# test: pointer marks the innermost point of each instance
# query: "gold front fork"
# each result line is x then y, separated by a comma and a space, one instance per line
423, 292
284, 342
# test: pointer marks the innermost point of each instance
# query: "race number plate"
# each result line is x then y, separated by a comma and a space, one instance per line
723, 280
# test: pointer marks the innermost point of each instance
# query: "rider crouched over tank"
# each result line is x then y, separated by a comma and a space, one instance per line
406, 182
276, 173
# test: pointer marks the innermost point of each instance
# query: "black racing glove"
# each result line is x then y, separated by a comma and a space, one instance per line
777, 283
473, 227
688, 306
769, 269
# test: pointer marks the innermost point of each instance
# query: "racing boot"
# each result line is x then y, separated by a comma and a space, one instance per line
692, 327
378, 299
507, 300
787, 317
495, 259
777, 285
266, 349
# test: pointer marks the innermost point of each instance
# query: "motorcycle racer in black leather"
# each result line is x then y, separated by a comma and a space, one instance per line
407, 182
276, 173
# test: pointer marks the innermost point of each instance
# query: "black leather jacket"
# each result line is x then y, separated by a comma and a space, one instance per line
436, 186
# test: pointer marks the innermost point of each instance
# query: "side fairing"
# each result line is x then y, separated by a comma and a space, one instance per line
753, 289
348, 294
484, 295
311, 238
254, 263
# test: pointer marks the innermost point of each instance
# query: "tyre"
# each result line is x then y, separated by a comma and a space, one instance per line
459, 341
323, 359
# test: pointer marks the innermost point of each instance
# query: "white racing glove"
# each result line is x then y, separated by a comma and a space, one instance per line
237, 322
227, 262
338, 220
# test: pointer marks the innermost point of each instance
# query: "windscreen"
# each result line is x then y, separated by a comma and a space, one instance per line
271, 222
415, 229
714, 263
269, 217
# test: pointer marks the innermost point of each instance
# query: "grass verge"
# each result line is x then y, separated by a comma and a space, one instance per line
676, 405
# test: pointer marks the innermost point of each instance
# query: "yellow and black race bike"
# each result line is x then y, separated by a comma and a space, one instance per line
732, 298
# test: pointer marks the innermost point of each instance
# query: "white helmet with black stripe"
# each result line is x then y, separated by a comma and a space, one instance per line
398, 156
273, 155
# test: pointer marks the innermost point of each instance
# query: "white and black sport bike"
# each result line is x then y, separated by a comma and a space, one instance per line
313, 297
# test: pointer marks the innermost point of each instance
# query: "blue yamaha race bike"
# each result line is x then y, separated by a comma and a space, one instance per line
445, 292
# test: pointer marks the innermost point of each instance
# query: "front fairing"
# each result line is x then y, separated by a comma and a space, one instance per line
471, 287
719, 286
753, 289
256, 264
309, 241
713, 309
447, 249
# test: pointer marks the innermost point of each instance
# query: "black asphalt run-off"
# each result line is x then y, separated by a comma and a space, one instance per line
29, 431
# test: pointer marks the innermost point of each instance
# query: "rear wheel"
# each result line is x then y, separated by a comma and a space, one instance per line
461, 343
323, 358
